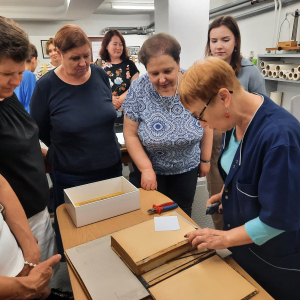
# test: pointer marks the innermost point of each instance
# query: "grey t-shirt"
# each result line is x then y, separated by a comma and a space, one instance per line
250, 78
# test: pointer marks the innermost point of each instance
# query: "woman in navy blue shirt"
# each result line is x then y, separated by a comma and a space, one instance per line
72, 106
259, 163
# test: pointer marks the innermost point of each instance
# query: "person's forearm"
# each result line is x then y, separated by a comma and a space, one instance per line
237, 237
16, 288
206, 143
16, 219
137, 153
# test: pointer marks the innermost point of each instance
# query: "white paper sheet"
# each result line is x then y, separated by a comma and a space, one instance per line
166, 223
120, 138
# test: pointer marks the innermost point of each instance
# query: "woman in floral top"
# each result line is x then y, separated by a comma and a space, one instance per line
121, 70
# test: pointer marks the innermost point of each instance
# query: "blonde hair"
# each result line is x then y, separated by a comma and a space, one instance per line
204, 80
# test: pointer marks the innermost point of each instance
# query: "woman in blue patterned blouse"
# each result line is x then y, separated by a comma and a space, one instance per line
162, 138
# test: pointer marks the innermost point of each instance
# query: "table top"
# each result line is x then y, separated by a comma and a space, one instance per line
73, 236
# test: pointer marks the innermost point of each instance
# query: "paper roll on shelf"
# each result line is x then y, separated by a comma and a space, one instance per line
276, 97
294, 70
281, 67
298, 69
296, 76
282, 74
270, 73
275, 74
264, 72
264, 63
290, 76
271, 67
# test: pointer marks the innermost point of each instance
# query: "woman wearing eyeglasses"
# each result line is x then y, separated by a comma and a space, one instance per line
224, 41
259, 163
162, 138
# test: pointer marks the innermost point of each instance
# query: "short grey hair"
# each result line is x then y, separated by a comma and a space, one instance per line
157, 45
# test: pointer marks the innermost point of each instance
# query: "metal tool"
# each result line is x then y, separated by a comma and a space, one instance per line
212, 208
162, 207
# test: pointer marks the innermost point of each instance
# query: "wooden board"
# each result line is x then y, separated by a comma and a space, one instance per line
210, 280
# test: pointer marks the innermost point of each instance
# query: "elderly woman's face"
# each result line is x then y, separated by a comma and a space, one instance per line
76, 61
163, 73
11, 75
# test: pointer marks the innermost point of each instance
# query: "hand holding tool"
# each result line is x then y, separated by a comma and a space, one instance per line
162, 207
212, 208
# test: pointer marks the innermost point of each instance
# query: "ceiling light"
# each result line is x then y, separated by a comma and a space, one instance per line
140, 6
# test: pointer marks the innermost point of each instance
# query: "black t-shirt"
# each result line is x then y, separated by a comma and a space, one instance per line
76, 122
120, 75
21, 159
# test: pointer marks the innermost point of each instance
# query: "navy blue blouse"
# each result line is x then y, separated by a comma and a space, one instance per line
76, 122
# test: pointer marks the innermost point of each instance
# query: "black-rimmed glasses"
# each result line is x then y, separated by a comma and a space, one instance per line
199, 118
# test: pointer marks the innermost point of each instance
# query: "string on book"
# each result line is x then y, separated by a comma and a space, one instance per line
200, 254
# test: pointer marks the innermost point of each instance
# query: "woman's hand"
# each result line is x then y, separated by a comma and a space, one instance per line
148, 181
116, 102
215, 198
208, 238
204, 169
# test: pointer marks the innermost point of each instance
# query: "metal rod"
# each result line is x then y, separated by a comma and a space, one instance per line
295, 26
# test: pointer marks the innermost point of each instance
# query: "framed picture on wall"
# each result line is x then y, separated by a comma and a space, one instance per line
43, 45
96, 43
133, 50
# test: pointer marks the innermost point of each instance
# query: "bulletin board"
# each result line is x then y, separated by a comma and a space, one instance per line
96, 43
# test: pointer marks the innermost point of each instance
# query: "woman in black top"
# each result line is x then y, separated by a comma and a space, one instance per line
21, 160
72, 105
120, 69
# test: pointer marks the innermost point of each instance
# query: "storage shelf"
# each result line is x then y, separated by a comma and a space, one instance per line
282, 80
297, 55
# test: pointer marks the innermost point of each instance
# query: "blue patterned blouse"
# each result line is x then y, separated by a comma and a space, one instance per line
170, 135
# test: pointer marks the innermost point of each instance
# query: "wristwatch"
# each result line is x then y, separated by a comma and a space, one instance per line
2, 208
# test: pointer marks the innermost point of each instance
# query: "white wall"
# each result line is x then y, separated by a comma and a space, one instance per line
257, 32
92, 26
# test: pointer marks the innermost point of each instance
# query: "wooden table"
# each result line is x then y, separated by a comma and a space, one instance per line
72, 236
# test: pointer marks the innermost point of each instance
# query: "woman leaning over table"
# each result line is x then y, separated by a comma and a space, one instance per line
224, 41
259, 163
55, 59
120, 69
162, 138
73, 108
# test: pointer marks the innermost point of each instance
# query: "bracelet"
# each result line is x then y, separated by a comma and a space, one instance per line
204, 161
29, 264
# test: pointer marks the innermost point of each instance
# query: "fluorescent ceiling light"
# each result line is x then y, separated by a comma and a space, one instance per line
140, 6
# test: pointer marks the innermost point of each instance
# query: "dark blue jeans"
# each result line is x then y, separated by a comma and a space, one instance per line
63, 181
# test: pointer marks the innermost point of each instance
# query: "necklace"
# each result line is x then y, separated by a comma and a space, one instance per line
169, 107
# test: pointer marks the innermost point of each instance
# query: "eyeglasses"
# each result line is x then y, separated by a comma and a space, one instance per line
199, 118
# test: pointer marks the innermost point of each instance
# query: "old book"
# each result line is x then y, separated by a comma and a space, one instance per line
210, 279
143, 249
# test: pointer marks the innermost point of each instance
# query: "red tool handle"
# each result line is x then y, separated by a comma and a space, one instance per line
159, 208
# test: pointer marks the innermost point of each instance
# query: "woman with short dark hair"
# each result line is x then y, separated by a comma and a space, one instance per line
73, 109
162, 138
21, 160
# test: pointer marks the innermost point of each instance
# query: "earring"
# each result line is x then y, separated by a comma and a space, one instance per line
234, 49
227, 114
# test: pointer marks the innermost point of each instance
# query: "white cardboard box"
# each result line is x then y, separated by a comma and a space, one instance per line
103, 209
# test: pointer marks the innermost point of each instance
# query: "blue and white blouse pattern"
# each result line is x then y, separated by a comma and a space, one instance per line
171, 138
